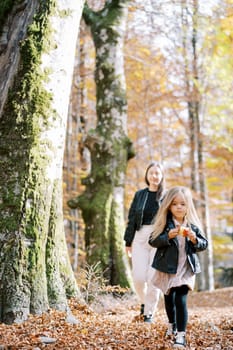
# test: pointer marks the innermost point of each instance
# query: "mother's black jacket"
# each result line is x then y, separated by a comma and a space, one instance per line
135, 216
166, 257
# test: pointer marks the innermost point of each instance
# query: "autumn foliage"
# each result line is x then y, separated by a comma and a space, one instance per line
113, 323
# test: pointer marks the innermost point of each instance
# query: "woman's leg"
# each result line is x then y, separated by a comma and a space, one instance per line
139, 265
152, 293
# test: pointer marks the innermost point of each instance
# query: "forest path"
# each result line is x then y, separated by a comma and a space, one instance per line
114, 324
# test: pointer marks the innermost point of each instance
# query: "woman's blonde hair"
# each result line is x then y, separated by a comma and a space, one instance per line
164, 210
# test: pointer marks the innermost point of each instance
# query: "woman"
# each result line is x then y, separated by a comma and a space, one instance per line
142, 211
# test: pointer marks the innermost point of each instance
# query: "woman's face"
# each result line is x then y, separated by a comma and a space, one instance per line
154, 176
178, 208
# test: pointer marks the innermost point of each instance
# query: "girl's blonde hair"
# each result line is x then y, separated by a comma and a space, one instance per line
164, 210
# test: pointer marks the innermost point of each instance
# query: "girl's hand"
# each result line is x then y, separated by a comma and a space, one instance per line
129, 251
192, 236
173, 232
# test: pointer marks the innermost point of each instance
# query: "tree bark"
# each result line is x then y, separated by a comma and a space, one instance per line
35, 271
102, 203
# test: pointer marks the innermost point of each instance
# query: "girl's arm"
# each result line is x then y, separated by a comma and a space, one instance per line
163, 239
200, 243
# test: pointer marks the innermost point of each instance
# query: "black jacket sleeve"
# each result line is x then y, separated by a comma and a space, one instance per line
162, 240
131, 225
202, 242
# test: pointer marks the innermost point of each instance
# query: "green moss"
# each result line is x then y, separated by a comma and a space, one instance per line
110, 149
25, 114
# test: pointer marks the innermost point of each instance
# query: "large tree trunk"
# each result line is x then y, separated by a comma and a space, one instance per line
35, 270
102, 203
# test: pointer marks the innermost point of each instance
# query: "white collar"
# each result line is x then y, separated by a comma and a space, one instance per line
184, 223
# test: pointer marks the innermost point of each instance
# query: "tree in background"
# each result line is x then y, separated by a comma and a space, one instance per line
194, 99
38, 39
102, 203
218, 111
219, 128
158, 121
181, 96
76, 157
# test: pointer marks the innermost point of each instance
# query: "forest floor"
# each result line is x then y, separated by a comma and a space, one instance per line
113, 324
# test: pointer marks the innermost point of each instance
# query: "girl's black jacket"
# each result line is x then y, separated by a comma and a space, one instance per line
166, 257
135, 216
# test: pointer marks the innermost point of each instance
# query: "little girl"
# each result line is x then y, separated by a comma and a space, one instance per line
177, 236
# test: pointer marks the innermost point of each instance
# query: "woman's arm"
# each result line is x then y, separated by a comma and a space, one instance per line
131, 224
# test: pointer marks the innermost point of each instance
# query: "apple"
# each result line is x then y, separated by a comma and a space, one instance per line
184, 231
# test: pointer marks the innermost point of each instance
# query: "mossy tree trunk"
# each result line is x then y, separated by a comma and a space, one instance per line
102, 203
39, 39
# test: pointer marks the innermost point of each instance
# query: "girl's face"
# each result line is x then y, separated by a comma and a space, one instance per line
178, 208
154, 177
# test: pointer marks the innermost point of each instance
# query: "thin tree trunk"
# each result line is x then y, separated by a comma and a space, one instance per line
205, 280
207, 257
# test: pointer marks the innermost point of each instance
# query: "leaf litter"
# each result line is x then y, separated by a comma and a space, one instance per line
114, 323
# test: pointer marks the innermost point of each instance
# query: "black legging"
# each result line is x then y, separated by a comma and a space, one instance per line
176, 307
